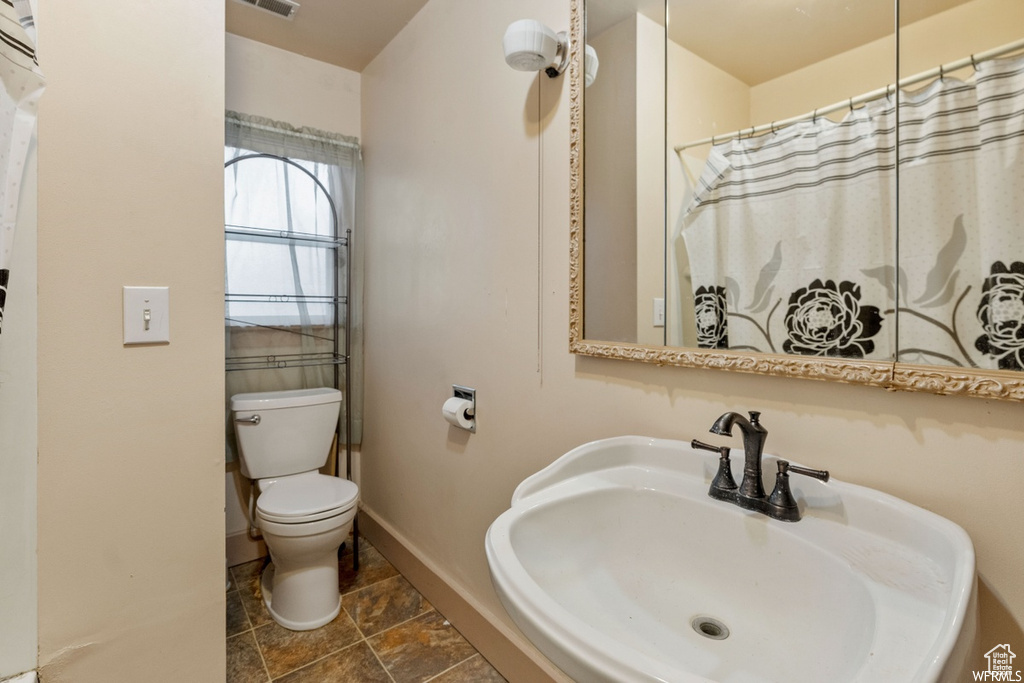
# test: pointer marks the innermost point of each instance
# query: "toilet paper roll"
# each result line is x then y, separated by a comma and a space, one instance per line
458, 412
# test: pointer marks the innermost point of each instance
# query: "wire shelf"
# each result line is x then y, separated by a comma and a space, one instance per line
233, 297
283, 361
265, 234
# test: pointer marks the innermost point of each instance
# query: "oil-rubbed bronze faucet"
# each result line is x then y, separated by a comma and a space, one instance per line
750, 493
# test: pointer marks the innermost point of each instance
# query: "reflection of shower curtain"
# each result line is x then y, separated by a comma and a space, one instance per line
22, 84
794, 249
961, 222
789, 235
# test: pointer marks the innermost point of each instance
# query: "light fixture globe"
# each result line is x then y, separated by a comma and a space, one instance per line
590, 63
529, 45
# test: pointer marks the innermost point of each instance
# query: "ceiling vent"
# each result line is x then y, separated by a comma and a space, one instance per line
285, 9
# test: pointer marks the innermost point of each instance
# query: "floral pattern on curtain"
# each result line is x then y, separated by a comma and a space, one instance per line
22, 84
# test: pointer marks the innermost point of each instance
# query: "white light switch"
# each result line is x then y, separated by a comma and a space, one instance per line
146, 315
658, 316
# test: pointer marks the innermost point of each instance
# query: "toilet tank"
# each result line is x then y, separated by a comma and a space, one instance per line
293, 433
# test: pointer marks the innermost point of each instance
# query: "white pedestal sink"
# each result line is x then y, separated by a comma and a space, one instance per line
617, 565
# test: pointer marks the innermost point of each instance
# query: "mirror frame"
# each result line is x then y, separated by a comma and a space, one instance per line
891, 375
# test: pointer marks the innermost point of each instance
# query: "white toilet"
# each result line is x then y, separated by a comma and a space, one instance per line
284, 437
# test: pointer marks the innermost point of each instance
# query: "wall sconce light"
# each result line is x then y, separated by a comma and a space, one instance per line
532, 46
589, 66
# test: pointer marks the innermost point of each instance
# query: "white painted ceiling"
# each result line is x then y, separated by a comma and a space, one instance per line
347, 33
754, 40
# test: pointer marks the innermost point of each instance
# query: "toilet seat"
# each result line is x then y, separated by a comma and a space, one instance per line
306, 498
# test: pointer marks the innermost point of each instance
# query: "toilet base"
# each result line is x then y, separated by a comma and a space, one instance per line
310, 619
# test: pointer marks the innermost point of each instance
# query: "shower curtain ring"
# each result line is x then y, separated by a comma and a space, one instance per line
942, 72
773, 128
851, 105
974, 64
814, 116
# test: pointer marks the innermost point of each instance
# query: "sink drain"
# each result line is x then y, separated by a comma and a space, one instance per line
710, 628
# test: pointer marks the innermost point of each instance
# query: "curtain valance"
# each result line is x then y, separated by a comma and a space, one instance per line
265, 135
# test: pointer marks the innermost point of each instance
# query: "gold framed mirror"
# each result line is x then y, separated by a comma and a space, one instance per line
891, 372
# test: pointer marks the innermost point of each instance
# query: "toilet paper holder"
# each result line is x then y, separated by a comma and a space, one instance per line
467, 394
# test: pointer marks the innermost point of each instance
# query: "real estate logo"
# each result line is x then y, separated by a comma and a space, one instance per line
1000, 665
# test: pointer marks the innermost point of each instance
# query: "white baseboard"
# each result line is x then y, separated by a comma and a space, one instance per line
501, 645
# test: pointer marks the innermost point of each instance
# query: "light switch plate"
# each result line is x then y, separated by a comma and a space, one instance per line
658, 312
147, 315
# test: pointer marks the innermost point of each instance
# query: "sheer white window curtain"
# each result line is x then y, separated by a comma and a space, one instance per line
303, 182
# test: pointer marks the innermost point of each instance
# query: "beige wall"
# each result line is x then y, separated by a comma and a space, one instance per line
266, 81
626, 198
819, 85
612, 203
457, 165
131, 510
650, 184
956, 33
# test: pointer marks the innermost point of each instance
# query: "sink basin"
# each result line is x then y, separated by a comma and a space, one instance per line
617, 565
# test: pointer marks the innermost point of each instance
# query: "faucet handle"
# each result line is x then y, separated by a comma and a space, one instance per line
723, 487
820, 475
695, 444
781, 504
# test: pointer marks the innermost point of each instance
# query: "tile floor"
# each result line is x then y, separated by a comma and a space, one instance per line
386, 632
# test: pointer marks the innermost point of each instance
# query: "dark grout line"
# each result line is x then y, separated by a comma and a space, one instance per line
453, 666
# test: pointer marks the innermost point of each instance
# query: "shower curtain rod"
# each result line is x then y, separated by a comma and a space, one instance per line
973, 60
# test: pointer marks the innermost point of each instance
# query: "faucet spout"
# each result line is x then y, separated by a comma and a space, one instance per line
751, 494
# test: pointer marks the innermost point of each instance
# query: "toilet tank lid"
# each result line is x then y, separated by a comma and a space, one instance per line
292, 398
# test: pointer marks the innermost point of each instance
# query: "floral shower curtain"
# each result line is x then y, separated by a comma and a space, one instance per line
22, 84
797, 231
786, 233
961, 232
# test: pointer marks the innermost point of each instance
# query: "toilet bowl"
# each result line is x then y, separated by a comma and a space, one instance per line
304, 519
284, 437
